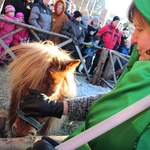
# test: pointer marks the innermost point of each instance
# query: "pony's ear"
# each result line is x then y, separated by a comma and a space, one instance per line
66, 66
71, 64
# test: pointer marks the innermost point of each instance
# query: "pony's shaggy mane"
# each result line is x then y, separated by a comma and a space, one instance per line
43, 67
31, 65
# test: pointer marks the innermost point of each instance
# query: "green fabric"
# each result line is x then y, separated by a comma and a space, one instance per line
134, 85
143, 143
144, 7
132, 60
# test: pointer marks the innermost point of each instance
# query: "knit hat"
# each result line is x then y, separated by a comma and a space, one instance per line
85, 18
95, 18
9, 8
143, 7
20, 14
116, 18
77, 14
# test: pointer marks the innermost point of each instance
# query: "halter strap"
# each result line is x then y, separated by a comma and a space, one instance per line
30, 120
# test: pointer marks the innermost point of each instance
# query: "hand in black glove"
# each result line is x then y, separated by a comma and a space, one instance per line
45, 144
75, 40
37, 104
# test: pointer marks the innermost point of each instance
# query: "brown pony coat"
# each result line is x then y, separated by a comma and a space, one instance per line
46, 68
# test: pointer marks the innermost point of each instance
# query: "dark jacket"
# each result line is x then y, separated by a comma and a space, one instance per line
40, 17
91, 32
73, 28
24, 7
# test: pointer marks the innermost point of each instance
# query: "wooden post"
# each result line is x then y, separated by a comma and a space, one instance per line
99, 68
109, 69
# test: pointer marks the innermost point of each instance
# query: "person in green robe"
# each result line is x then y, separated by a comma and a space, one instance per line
132, 86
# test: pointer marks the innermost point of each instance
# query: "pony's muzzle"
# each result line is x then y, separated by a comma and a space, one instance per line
16, 133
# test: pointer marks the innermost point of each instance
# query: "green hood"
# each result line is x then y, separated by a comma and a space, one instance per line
144, 7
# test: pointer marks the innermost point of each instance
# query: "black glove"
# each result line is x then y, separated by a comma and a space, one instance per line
75, 40
37, 104
45, 144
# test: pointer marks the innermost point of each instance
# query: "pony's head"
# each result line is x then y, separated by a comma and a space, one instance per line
46, 68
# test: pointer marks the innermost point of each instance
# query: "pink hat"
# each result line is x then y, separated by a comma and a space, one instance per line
20, 14
9, 8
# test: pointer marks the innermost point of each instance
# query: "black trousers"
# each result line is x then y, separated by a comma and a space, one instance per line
94, 65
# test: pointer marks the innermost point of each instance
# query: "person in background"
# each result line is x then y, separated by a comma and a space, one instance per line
59, 18
40, 17
85, 21
110, 39
68, 9
92, 29
124, 35
124, 49
6, 28
52, 7
21, 36
100, 26
25, 7
74, 29
88, 50
73, 9
73, 6
110, 34
124, 46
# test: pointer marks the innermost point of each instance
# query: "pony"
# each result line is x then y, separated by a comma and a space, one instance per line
46, 68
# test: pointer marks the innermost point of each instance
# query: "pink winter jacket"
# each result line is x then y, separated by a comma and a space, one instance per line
6, 28
19, 36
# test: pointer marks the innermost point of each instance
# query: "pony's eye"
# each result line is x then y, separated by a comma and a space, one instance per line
148, 52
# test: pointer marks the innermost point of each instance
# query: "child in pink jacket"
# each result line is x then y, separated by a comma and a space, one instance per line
21, 36
6, 28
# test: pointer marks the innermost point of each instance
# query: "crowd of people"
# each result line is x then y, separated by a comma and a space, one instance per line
62, 17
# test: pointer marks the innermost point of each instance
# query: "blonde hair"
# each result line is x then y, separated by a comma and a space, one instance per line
29, 69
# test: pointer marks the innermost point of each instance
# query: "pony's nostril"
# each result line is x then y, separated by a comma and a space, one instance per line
31, 134
14, 128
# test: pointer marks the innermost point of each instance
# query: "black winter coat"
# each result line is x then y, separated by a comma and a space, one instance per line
73, 28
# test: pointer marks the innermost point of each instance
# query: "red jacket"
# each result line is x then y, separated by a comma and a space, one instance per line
110, 36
